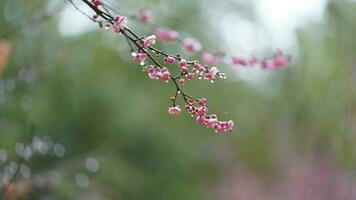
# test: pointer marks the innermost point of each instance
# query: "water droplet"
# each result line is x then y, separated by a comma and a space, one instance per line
222, 75
142, 63
133, 54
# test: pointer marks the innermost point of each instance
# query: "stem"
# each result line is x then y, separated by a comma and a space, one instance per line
136, 41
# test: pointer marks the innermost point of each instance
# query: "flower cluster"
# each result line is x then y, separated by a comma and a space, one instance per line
149, 41
158, 73
119, 24
192, 45
280, 60
166, 35
211, 58
156, 66
198, 109
156, 63
188, 69
145, 16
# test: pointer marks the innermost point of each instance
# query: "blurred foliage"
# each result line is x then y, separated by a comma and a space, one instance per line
86, 93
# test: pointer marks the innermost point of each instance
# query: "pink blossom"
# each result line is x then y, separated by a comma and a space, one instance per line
280, 60
174, 110
211, 122
211, 75
164, 75
202, 101
141, 56
181, 82
239, 61
190, 76
202, 110
152, 72
184, 69
196, 67
201, 119
267, 64
169, 60
145, 16
120, 22
166, 34
182, 63
192, 45
191, 101
96, 3
253, 61
210, 58
148, 41
187, 107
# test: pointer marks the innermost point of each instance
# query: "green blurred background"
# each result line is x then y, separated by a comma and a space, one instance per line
83, 91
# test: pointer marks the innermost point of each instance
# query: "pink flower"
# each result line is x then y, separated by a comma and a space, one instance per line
202, 101
148, 41
202, 110
164, 75
182, 63
96, 3
141, 56
184, 69
253, 61
169, 60
120, 22
174, 110
191, 45
210, 58
157, 73
166, 34
181, 82
211, 75
152, 72
201, 119
190, 76
145, 16
267, 64
211, 122
239, 61
280, 60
